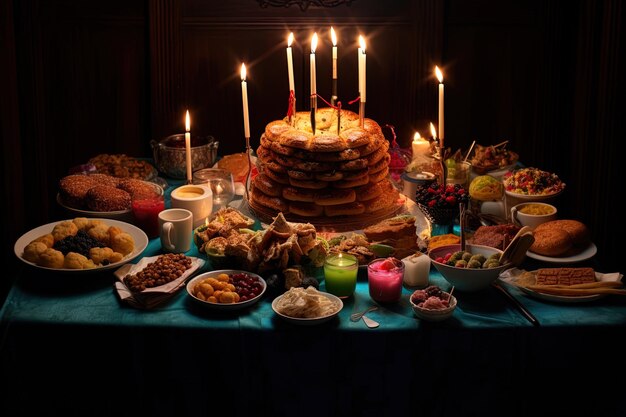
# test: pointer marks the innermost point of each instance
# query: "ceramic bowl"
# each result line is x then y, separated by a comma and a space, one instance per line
467, 279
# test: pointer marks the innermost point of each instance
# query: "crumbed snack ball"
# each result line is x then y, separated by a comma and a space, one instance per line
51, 258
63, 230
33, 250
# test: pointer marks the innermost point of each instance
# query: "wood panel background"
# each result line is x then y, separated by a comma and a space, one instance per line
83, 78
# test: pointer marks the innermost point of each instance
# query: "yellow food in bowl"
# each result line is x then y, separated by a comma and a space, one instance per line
537, 209
485, 188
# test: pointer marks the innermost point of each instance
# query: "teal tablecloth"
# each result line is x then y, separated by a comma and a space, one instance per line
68, 346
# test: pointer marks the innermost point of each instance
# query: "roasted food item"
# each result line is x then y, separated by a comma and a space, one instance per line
236, 163
324, 174
498, 236
101, 192
565, 276
166, 268
560, 237
123, 166
489, 158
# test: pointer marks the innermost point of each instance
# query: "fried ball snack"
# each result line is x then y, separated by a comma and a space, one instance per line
122, 243
63, 230
33, 250
75, 260
100, 256
47, 240
101, 233
81, 223
51, 258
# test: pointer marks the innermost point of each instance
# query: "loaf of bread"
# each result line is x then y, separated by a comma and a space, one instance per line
559, 237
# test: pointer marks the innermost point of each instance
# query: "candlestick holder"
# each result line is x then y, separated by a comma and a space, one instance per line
248, 151
362, 114
313, 111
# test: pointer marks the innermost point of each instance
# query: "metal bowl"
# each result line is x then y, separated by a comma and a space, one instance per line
170, 157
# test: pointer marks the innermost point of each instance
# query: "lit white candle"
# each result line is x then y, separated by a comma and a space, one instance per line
333, 37
188, 146
433, 131
419, 146
244, 98
362, 66
440, 78
290, 63
313, 78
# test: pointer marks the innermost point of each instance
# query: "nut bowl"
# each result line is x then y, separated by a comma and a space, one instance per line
434, 314
467, 279
170, 156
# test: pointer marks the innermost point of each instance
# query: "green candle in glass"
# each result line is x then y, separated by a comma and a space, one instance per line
340, 272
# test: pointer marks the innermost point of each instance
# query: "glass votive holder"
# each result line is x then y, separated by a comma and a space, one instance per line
385, 276
340, 273
146, 214
221, 183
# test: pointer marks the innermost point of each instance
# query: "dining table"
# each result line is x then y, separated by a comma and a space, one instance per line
70, 346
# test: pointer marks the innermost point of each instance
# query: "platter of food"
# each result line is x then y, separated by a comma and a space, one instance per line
532, 184
226, 289
105, 244
493, 160
564, 285
122, 215
586, 253
306, 306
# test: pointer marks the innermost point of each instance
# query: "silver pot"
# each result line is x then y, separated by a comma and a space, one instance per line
170, 158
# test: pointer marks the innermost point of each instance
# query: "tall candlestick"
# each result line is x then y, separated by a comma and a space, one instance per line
246, 124
188, 146
290, 63
440, 78
333, 36
244, 97
313, 83
362, 82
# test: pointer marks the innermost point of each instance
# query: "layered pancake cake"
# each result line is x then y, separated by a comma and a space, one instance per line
326, 174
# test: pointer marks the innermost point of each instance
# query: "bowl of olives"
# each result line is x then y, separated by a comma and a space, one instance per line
470, 270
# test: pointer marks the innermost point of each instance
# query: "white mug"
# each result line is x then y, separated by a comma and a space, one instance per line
176, 229
198, 199
532, 220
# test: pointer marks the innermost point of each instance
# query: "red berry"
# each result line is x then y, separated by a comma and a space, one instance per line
451, 199
439, 259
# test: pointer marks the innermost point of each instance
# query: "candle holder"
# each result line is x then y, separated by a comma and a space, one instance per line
340, 274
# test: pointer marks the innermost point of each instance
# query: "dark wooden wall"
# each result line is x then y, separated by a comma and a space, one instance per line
82, 78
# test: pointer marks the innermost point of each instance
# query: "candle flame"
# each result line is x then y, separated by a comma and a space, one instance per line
314, 43
187, 122
290, 39
439, 74
362, 43
333, 36
243, 72
417, 136
433, 132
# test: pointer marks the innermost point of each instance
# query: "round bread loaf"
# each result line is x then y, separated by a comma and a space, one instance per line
74, 188
279, 178
107, 198
551, 242
273, 203
578, 231
268, 186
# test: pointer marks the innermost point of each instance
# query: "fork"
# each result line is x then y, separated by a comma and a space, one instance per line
357, 316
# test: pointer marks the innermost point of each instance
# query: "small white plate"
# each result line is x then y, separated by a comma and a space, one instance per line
225, 307
310, 321
140, 238
587, 253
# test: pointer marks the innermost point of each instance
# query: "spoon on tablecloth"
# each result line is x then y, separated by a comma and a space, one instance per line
361, 315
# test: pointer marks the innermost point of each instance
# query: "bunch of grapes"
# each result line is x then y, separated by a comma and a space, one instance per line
441, 196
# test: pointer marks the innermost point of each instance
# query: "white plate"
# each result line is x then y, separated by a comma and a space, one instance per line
121, 215
311, 321
510, 280
225, 307
533, 197
140, 238
588, 253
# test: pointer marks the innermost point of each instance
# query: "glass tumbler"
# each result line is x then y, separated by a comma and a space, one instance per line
385, 276
221, 183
